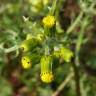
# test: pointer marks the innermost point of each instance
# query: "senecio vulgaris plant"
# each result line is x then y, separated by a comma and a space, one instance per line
52, 45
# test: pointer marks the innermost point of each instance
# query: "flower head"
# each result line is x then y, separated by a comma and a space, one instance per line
24, 47
49, 21
66, 54
28, 45
29, 60
26, 62
47, 77
46, 69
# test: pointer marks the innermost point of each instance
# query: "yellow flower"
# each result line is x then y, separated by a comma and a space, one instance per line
30, 59
26, 62
47, 77
66, 54
49, 21
46, 69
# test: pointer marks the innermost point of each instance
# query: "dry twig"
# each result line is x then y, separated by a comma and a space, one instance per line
63, 84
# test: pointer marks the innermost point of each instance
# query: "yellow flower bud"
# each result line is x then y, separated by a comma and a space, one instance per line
28, 45
26, 62
47, 77
49, 21
24, 47
66, 54
46, 69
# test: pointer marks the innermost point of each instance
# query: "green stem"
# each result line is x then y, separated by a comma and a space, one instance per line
14, 48
77, 49
80, 39
58, 7
78, 45
52, 11
75, 23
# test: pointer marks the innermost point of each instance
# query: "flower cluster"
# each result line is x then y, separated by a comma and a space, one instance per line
35, 52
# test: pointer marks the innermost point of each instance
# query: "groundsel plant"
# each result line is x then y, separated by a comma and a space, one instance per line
39, 47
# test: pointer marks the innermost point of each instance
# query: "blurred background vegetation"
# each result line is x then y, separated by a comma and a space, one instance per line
75, 17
